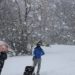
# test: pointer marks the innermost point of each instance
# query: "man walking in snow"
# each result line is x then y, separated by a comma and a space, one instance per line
38, 52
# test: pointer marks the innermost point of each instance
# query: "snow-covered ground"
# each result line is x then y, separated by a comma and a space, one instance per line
58, 60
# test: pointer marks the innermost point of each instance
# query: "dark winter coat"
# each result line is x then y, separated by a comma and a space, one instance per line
3, 56
38, 52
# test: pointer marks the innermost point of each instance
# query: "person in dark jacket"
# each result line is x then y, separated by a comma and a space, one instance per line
4, 48
38, 52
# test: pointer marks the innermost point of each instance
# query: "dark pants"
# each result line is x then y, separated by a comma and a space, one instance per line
1, 65
37, 62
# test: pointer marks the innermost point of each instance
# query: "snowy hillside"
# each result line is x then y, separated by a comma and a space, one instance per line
58, 60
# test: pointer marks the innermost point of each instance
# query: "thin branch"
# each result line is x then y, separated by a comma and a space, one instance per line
19, 12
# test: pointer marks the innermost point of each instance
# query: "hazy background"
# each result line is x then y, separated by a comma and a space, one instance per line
24, 22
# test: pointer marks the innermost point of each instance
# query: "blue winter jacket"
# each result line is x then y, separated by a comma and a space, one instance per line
38, 52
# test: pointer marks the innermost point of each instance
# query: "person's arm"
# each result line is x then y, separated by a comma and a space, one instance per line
42, 52
33, 54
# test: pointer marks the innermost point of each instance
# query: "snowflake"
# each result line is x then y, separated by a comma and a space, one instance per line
13, 29
63, 23
54, 6
61, 13
39, 17
13, 0
46, 29
28, 5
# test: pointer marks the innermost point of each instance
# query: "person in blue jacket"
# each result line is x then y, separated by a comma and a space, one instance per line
37, 53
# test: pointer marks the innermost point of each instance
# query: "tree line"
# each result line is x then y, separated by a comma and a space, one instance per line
24, 22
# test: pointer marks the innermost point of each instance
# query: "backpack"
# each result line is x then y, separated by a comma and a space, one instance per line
29, 70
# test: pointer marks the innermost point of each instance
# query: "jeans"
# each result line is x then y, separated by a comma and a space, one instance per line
37, 62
